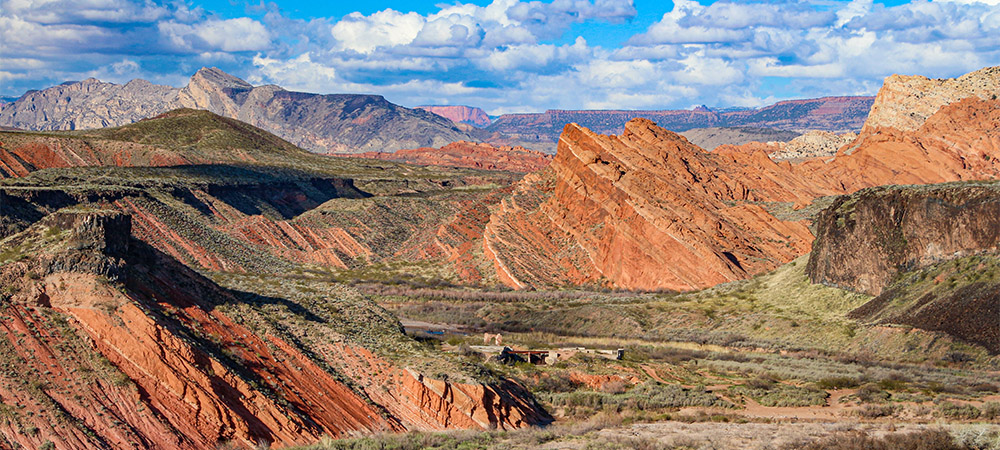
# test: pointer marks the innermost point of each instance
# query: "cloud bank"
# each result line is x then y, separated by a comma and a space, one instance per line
511, 55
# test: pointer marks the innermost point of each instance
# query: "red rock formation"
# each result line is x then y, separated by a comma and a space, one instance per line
109, 344
647, 210
461, 114
469, 155
423, 403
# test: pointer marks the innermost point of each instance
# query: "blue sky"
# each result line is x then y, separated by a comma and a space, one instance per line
506, 55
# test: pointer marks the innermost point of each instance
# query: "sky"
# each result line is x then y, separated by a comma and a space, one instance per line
506, 55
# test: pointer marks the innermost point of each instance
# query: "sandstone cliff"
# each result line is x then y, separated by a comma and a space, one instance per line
811, 144
321, 123
645, 210
905, 102
110, 343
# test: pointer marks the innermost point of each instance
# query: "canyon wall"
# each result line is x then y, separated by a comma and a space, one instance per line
835, 114
928, 253
864, 240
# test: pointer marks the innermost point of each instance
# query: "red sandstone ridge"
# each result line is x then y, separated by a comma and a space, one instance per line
644, 210
461, 114
469, 155
649, 210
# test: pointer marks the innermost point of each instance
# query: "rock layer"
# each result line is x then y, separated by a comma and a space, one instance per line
649, 210
645, 210
905, 102
836, 114
461, 114
110, 343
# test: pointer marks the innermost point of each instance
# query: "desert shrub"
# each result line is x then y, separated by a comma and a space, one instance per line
894, 382
837, 383
556, 383
871, 393
958, 411
958, 357
876, 411
413, 441
778, 394
991, 410
922, 440
761, 383
978, 438
648, 396
985, 387
910, 397
615, 387
667, 354
619, 443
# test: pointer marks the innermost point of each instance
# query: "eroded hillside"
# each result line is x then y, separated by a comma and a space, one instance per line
110, 343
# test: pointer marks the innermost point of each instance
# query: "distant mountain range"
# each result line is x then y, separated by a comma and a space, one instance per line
353, 123
836, 114
319, 123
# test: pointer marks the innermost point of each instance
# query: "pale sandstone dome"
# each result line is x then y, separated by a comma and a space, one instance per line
905, 102
811, 144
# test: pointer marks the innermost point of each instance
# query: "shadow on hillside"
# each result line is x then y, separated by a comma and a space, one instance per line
158, 277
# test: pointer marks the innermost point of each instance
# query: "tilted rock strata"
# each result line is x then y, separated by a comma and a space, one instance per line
623, 210
179, 372
648, 210
461, 114
812, 144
